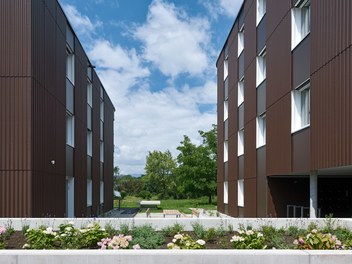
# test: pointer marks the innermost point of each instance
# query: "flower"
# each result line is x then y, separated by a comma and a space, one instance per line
300, 241
170, 245
314, 231
90, 225
178, 236
249, 232
2, 230
259, 235
200, 242
236, 239
137, 246
71, 223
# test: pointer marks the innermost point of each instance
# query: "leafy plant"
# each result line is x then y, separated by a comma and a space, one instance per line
25, 228
248, 239
110, 229
41, 238
174, 229
3, 232
147, 237
210, 234
274, 238
199, 230
318, 240
184, 241
91, 235
124, 229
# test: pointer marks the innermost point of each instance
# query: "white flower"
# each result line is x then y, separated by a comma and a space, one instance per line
178, 236
200, 242
68, 228
174, 240
259, 235
249, 232
71, 223
90, 225
170, 245
314, 231
236, 239
26, 246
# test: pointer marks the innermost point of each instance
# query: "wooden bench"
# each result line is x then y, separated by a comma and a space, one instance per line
149, 204
172, 212
148, 213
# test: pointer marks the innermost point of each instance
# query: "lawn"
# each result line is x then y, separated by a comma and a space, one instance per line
182, 205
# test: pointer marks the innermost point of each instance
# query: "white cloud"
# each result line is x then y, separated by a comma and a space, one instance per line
228, 8
83, 26
174, 42
145, 119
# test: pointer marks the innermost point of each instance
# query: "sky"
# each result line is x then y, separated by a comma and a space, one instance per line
157, 61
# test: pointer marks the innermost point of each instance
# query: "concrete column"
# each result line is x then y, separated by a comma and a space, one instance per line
313, 194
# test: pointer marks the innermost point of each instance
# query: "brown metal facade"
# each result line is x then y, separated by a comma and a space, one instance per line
277, 173
33, 116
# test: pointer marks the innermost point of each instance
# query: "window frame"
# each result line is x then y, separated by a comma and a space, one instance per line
297, 107
261, 130
261, 67
260, 12
240, 142
240, 193
299, 32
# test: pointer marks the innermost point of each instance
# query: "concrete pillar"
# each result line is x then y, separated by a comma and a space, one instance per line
313, 194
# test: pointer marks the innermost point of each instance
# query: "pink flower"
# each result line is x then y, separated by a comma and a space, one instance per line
301, 241
136, 246
2, 230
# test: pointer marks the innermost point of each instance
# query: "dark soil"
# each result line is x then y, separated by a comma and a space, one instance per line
16, 241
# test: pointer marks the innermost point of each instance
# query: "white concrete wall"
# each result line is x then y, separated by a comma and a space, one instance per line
159, 223
174, 256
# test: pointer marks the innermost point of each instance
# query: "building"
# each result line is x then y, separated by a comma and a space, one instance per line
56, 134
284, 110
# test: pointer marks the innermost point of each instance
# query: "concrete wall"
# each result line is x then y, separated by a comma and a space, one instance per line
174, 256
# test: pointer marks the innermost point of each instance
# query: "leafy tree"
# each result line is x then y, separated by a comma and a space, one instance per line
159, 172
129, 184
196, 171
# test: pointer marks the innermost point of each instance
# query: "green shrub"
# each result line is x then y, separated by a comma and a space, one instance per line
274, 238
145, 194
42, 238
110, 229
318, 240
210, 234
248, 239
146, 237
199, 230
174, 229
124, 229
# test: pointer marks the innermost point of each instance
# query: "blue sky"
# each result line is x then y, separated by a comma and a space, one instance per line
156, 59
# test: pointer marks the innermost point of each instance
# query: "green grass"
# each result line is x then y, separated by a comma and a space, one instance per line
182, 205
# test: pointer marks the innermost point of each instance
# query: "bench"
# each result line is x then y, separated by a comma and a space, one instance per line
172, 212
149, 203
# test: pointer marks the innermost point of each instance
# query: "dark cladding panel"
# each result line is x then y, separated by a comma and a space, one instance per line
301, 63
278, 137
220, 128
275, 12
261, 98
261, 35
69, 161
15, 38
15, 137
233, 62
250, 198
250, 93
250, 151
261, 183
233, 166
330, 30
250, 42
278, 70
232, 207
331, 98
233, 118
301, 151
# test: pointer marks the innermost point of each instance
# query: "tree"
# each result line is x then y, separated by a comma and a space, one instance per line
159, 171
196, 171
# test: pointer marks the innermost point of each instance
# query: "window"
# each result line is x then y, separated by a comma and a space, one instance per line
226, 68
70, 96
102, 151
226, 89
89, 192
300, 116
226, 192
90, 93
70, 66
102, 110
101, 130
261, 10
101, 192
90, 72
89, 117
300, 22
101, 93
226, 110
240, 92
89, 143
70, 38
226, 151
261, 130
240, 37
261, 67
240, 193
70, 130
240, 146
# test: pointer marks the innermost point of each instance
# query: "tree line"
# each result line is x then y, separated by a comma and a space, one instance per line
191, 174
